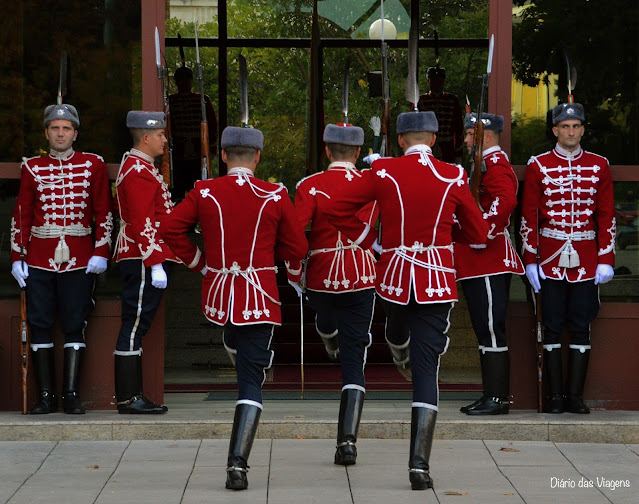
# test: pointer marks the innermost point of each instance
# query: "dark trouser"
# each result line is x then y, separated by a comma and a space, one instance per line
487, 299
428, 325
254, 356
185, 173
68, 294
140, 301
572, 305
351, 313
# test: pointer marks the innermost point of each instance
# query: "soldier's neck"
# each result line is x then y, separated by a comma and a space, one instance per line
568, 153
62, 155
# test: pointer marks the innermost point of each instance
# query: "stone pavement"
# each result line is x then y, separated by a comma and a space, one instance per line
180, 457
297, 471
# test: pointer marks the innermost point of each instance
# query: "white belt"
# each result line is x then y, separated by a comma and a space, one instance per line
235, 270
55, 231
334, 249
403, 252
558, 234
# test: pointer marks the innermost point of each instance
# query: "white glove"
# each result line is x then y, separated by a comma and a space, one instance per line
371, 157
377, 247
534, 273
96, 265
297, 287
603, 275
158, 276
20, 271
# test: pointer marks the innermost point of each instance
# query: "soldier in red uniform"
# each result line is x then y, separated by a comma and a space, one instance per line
142, 200
449, 116
339, 278
485, 271
56, 252
422, 201
568, 231
247, 224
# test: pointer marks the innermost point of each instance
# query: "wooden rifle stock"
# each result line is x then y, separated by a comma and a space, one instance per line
205, 151
25, 341
477, 161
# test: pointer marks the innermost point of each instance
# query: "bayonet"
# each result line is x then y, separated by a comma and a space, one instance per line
412, 85
385, 146
571, 74
62, 83
181, 47
345, 85
244, 107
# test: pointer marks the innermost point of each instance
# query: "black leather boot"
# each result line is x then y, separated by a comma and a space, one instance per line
554, 379
422, 430
331, 343
128, 387
577, 367
70, 396
42, 360
497, 376
464, 409
350, 412
247, 418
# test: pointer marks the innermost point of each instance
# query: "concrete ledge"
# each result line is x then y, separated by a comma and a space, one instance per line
190, 417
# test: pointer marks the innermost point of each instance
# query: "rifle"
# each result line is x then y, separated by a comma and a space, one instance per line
540, 342
385, 148
204, 125
476, 154
25, 335
166, 168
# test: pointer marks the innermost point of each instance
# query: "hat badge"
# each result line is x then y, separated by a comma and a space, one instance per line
570, 110
60, 112
152, 122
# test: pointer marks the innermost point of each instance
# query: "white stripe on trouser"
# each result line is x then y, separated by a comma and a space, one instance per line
271, 360
139, 312
250, 403
491, 326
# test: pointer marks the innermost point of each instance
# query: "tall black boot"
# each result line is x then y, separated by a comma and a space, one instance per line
496, 386
482, 364
42, 360
422, 430
70, 396
128, 387
350, 412
577, 367
554, 378
247, 417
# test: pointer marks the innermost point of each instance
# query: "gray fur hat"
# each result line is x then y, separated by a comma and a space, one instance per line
567, 111
417, 121
232, 136
64, 111
434, 72
141, 119
491, 121
345, 134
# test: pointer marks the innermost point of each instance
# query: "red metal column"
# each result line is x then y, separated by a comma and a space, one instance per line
152, 16
499, 91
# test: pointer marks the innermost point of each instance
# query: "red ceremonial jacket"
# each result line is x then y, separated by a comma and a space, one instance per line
247, 224
420, 200
57, 202
335, 263
142, 200
498, 198
568, 199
